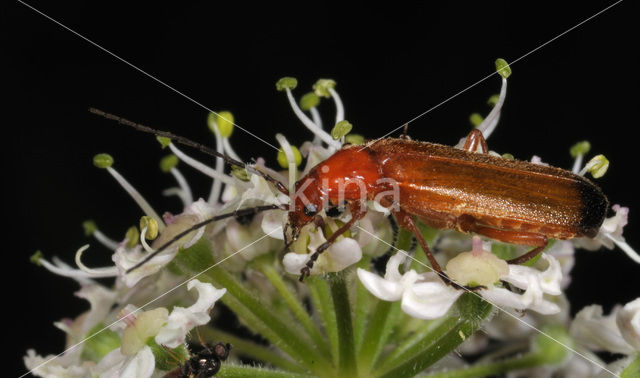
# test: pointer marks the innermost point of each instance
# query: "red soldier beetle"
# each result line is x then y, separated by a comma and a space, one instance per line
507, 200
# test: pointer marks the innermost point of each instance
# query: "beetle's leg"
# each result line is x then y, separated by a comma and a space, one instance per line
406, 221
539, 241
474, 138
358, 211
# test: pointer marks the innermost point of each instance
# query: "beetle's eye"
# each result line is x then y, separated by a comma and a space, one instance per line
335, 211
310, 209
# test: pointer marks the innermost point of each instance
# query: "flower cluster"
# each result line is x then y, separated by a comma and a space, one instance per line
346, 318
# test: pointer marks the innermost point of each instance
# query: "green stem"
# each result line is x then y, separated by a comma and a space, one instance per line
280, 333
363, 299
251, 349
322, 301
232, 371
633, 370
423, 338
473, 310
383, 319
295, 306
517, 363
340, 295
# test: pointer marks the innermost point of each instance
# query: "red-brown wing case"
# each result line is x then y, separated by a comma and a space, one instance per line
497, 192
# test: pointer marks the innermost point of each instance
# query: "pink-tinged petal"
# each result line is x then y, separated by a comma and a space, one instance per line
380, 287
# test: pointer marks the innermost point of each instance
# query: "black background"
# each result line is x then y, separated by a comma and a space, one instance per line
392, 62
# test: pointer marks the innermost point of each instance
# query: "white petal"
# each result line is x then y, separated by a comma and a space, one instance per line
380, 287
392, 272
182, 320
117, 365
50, 366
429, 300
597, 332
101, 299
294, 262
342, 254
273, 220
126, 258
628, 320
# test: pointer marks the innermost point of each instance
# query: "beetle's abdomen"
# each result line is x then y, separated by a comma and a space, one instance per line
497, 192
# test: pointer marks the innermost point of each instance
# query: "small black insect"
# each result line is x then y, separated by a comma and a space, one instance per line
205, 363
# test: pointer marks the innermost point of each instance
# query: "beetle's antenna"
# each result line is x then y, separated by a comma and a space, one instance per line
234, 214
188, 142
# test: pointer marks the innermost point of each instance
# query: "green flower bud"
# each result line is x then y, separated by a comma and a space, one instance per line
168, 163
225, 123
322, 86
89, 227
286, 83
151, 225
164, 141
580, 148
356, 139
341, 129
598, 166
35, 258
309, 100
475, 119
132, 236
103, 160
282, 157
240, 173
503, 68
493, 100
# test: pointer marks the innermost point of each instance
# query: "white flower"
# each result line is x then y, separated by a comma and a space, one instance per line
117, 365
341, 254
126, 258
426, 296
628, 321
597, 332
56, 367
182, 320
610, 234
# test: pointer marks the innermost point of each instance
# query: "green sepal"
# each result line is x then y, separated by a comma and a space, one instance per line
167, 358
